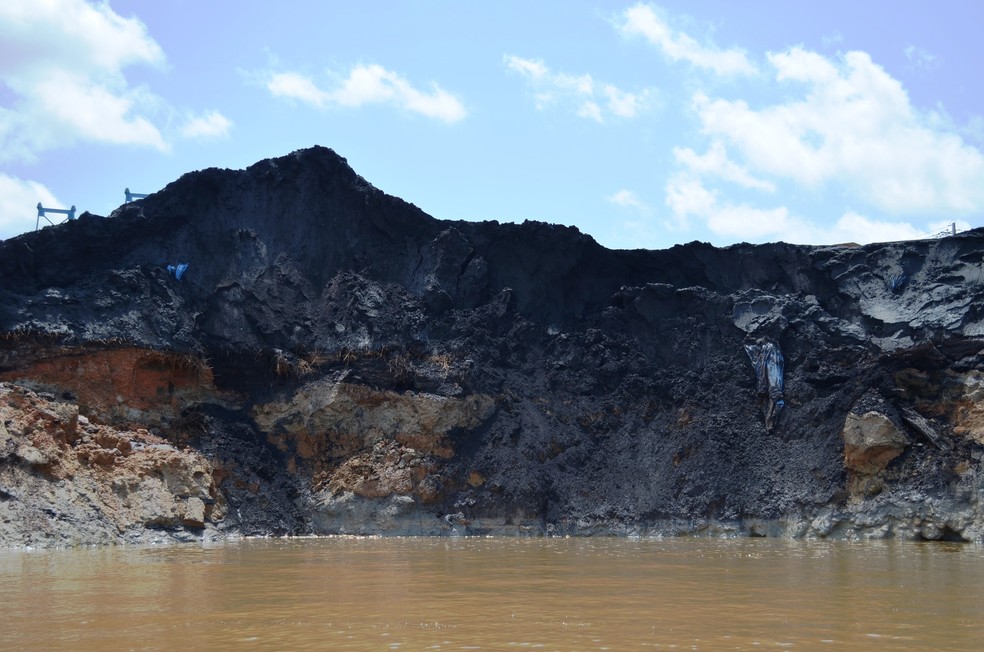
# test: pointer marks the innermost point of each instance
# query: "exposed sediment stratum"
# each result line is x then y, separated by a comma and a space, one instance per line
334, 360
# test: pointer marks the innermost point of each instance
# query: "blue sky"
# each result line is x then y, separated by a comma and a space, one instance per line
644, 125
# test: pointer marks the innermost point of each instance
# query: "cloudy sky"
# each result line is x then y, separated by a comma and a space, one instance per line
644, 125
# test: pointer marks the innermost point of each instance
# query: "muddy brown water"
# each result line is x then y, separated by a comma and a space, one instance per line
497, 594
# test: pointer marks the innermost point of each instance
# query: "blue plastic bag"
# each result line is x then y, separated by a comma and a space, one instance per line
768, 363
177, 271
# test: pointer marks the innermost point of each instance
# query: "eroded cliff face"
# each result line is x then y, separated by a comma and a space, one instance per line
65, 480
334, 360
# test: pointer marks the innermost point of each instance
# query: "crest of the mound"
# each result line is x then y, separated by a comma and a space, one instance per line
309, 201
308, 206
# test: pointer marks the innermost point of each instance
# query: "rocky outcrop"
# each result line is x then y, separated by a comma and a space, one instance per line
65, 480
342, 362
872, 437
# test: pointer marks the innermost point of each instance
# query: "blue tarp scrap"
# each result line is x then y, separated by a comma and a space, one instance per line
177, 271
897, 282
767, 361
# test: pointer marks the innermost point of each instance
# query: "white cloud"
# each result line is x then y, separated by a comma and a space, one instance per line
832, 40
622, 104
688, 198
643, 20
844, 129
210, 125
849, 227
588, 98
297, 87
529, 68
852, 227
590, 110
920, 58
62, 60
71, 35
859, 229
96, 113
370, 84
853, 126
628, 199
18, 201
750, 223
716, 162
974, 129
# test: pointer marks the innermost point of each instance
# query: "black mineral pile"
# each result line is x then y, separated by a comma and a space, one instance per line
287, 350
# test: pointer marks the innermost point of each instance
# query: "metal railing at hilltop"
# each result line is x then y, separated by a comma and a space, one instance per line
951, 230
131, 196
69, 213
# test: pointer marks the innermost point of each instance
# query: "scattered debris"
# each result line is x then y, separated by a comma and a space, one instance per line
923, 427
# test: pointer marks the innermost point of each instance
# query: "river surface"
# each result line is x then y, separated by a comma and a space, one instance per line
497, 594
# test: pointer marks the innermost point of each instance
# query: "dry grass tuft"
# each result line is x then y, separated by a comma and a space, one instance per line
442, 361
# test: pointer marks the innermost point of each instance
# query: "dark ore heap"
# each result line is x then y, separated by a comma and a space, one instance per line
334, 360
